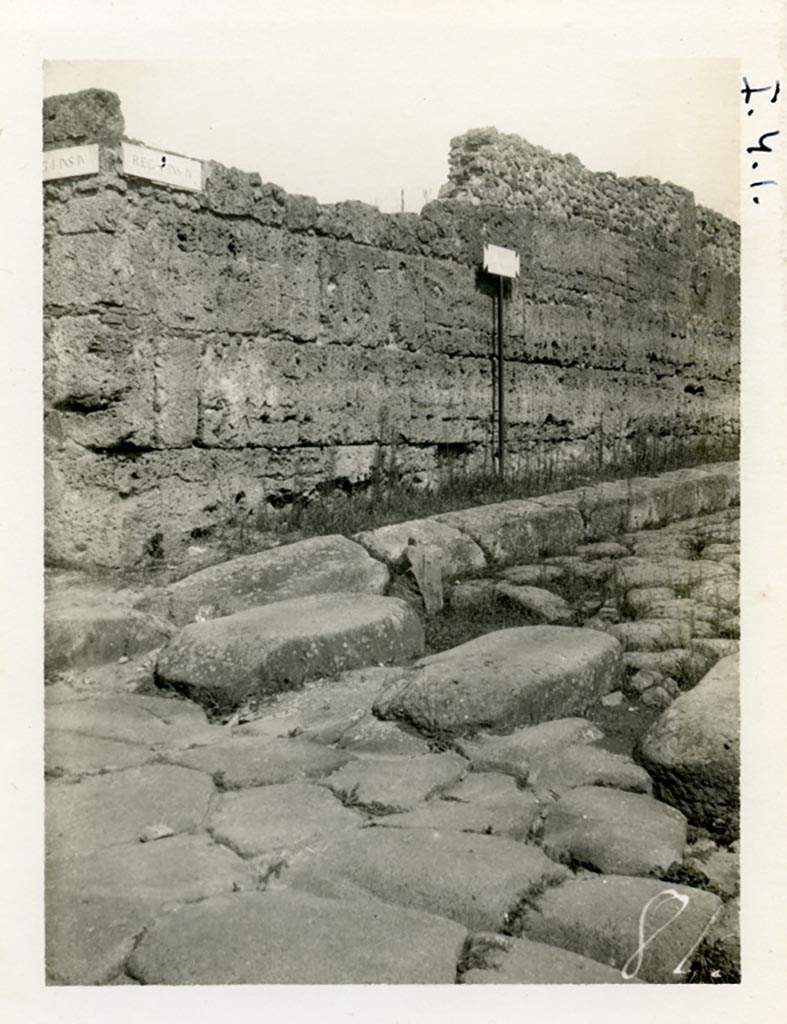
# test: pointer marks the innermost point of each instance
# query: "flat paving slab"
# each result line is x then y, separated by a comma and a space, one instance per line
508, 961
396, 784
175, 870
279, 820
601, 918
88, 940
104, 810
614, 832
241, 761
474, 879
69, 753
291, 938
133, 718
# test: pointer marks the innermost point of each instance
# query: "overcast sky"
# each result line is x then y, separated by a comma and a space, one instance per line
359, 102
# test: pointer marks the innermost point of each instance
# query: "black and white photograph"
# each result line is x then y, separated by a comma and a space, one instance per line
392, 479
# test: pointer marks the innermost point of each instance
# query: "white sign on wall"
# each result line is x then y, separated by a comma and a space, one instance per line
500, 261
70, 162
178, 171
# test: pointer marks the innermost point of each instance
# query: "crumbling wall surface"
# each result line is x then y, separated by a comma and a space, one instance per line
241, 344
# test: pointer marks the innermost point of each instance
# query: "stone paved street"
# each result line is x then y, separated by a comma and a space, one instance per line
501, 812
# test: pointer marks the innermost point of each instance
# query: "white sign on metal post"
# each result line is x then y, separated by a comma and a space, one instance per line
500, 261
70, 162
165, 168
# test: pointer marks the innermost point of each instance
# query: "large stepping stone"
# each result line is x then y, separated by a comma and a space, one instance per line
153, 874
614, 832
512, 816
692, 751
461, 554
152, 721
277, 821
91, 624
291, 938
222, 662
243, 761
477, 880
505, 679
502, 960
318, 565
395, 785
105, 810
519, 531
601, 918
88, 940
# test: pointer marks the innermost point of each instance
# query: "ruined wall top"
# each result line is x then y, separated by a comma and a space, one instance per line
487, 166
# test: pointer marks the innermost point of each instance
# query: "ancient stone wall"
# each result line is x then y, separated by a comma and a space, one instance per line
244, 344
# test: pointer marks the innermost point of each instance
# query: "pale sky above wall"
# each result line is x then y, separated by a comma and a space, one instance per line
351, 101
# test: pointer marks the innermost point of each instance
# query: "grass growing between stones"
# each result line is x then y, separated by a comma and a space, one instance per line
454, 626
338, 507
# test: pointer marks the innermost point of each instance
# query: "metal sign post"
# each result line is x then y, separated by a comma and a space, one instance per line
503, 263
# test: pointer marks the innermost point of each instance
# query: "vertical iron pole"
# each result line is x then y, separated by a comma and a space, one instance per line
501, 418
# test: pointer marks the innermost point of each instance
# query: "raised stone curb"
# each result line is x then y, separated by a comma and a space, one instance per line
461, 554
561, 523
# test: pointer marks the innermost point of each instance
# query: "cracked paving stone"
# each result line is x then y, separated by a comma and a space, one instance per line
286, 937
104, 810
